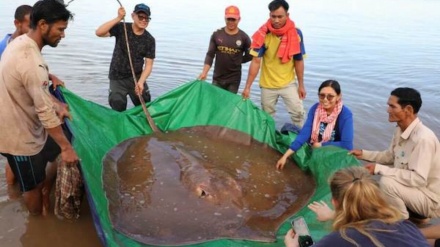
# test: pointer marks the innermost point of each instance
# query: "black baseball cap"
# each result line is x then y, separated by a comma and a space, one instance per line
142, 8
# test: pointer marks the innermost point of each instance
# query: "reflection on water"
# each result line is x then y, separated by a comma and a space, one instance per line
369, 46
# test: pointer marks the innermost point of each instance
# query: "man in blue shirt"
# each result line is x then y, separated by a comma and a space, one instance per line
21, 22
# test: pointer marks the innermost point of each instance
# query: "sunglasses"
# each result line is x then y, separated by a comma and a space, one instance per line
329, 97
231, 19
144, 17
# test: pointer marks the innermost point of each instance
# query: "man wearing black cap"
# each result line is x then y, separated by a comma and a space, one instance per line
142, 50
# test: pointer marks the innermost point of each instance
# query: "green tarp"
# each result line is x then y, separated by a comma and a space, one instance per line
97, 129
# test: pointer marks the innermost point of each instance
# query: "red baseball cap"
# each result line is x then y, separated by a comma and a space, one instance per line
232, 12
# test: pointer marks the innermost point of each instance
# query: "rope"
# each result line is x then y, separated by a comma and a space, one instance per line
69, 2
141, 99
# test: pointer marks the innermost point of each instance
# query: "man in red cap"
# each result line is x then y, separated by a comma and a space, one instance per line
230, 47
143, 49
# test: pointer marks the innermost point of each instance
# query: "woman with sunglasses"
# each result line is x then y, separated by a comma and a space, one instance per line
329, 122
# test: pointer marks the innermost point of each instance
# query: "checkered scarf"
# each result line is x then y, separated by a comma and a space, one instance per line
322, 117
69, 192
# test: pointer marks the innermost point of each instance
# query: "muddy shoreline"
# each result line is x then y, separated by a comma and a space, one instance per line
17, 228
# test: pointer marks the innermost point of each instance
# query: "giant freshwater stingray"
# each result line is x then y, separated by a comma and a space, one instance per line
200, 184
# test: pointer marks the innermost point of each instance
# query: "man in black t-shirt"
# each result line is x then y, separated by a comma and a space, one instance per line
230, 48
142, 50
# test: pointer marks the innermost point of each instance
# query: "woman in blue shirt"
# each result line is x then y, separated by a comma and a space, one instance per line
329, 122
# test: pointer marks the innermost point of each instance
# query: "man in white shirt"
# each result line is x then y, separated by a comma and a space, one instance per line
31, 133
410, 167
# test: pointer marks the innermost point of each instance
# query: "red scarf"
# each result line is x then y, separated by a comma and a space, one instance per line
321, 117
290, 43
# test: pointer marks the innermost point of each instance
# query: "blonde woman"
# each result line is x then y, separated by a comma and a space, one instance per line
362, 217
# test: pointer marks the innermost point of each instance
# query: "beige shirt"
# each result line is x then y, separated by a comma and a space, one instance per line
26, 106
413, 159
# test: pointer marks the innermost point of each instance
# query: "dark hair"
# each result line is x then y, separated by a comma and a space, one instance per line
49, 10
331, 83
276, 4
408, 96
22, 11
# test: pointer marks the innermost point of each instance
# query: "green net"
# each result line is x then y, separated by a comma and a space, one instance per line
97, 129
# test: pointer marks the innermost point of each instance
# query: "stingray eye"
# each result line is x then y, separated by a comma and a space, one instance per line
203, 194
